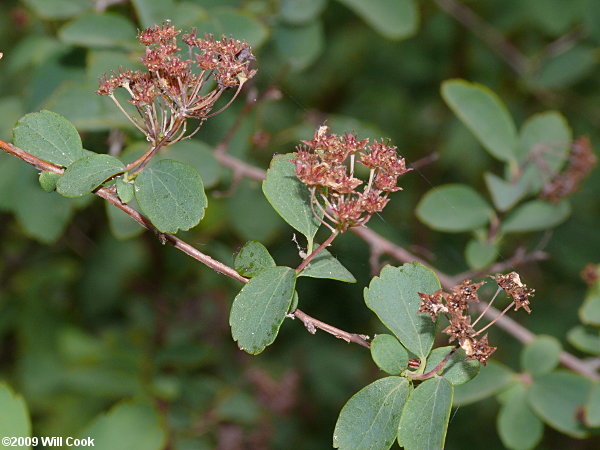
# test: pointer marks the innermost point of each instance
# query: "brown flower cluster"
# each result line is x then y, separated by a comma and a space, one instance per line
455, 305
326, 165
582, 160
590, 274
175, 88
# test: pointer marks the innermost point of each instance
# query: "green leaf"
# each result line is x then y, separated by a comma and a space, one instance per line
393, 296
128, 426
14, 416
485, 115
541, 355
536, 215
99, 30
480, 254
504, 194
125, 190
288, 196
519, 428
86, 174
491, 378
453, 208
566, 69
300, 45
457, 370
370, 418
121, 225
171, 194
586, 339
389, 355
424, 420
252, 259
557, 398
58, 9
589, 312
299, 12
260, 308
197, 154
592, 407
325, 265
48, 180
393, 19
153, 12
231, 22
49, 136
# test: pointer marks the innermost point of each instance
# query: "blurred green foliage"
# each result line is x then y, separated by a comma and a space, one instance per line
102, 330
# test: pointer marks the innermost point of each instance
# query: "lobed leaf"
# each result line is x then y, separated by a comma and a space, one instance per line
260, 308
370, 418
86, 174
424, 420
393, 296
172, 195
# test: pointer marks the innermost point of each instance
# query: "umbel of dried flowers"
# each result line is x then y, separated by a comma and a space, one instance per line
326, 165
455, 305
177, 87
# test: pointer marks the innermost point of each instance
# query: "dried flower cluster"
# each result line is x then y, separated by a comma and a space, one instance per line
581, 163
590, 274
326, 165
455, 305
174, 89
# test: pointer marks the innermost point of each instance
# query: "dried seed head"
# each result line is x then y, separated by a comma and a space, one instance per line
432, 304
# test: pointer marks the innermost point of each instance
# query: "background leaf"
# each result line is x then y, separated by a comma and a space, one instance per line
541, 355
49, 136
504, 193
592, 407
491, 379
86, 174
98, 31
389, 355
260, 308
424, 420
299, 12
485, 115
370, 418
393, 296
589, 312
171, 194
453, 208
536, 215
14, 416
480, 254
518, 427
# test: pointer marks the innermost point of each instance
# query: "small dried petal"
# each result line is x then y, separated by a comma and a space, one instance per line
456, 304
512, 285
480, 350
460, 328
468, 290
432, 304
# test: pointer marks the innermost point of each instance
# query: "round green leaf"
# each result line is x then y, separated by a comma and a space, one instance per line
125, 190
586, 339
14, 417
49, 136
127, 426
299, 12
453, 208
592, 408
252, 259
457, 369
557, 398
86, 174
504, 194
393, 19
197, 154
485, 115
567, 68
370, 418
491, 378
48, 180
325, 265
171, 194
99, 30
536, 215
260, 308
58, 9
388, 354
480, 254
589, 312
541, 355
393, 296
300, 45
424, 420
121, 225
231, 22
288, 196
519, 428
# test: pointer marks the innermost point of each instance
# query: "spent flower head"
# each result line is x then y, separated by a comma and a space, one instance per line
326, 165
176, 86
454, 305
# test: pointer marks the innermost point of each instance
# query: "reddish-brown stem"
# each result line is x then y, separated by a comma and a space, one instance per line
312, 324
436, 369
489, 305
496, 319
316, 251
